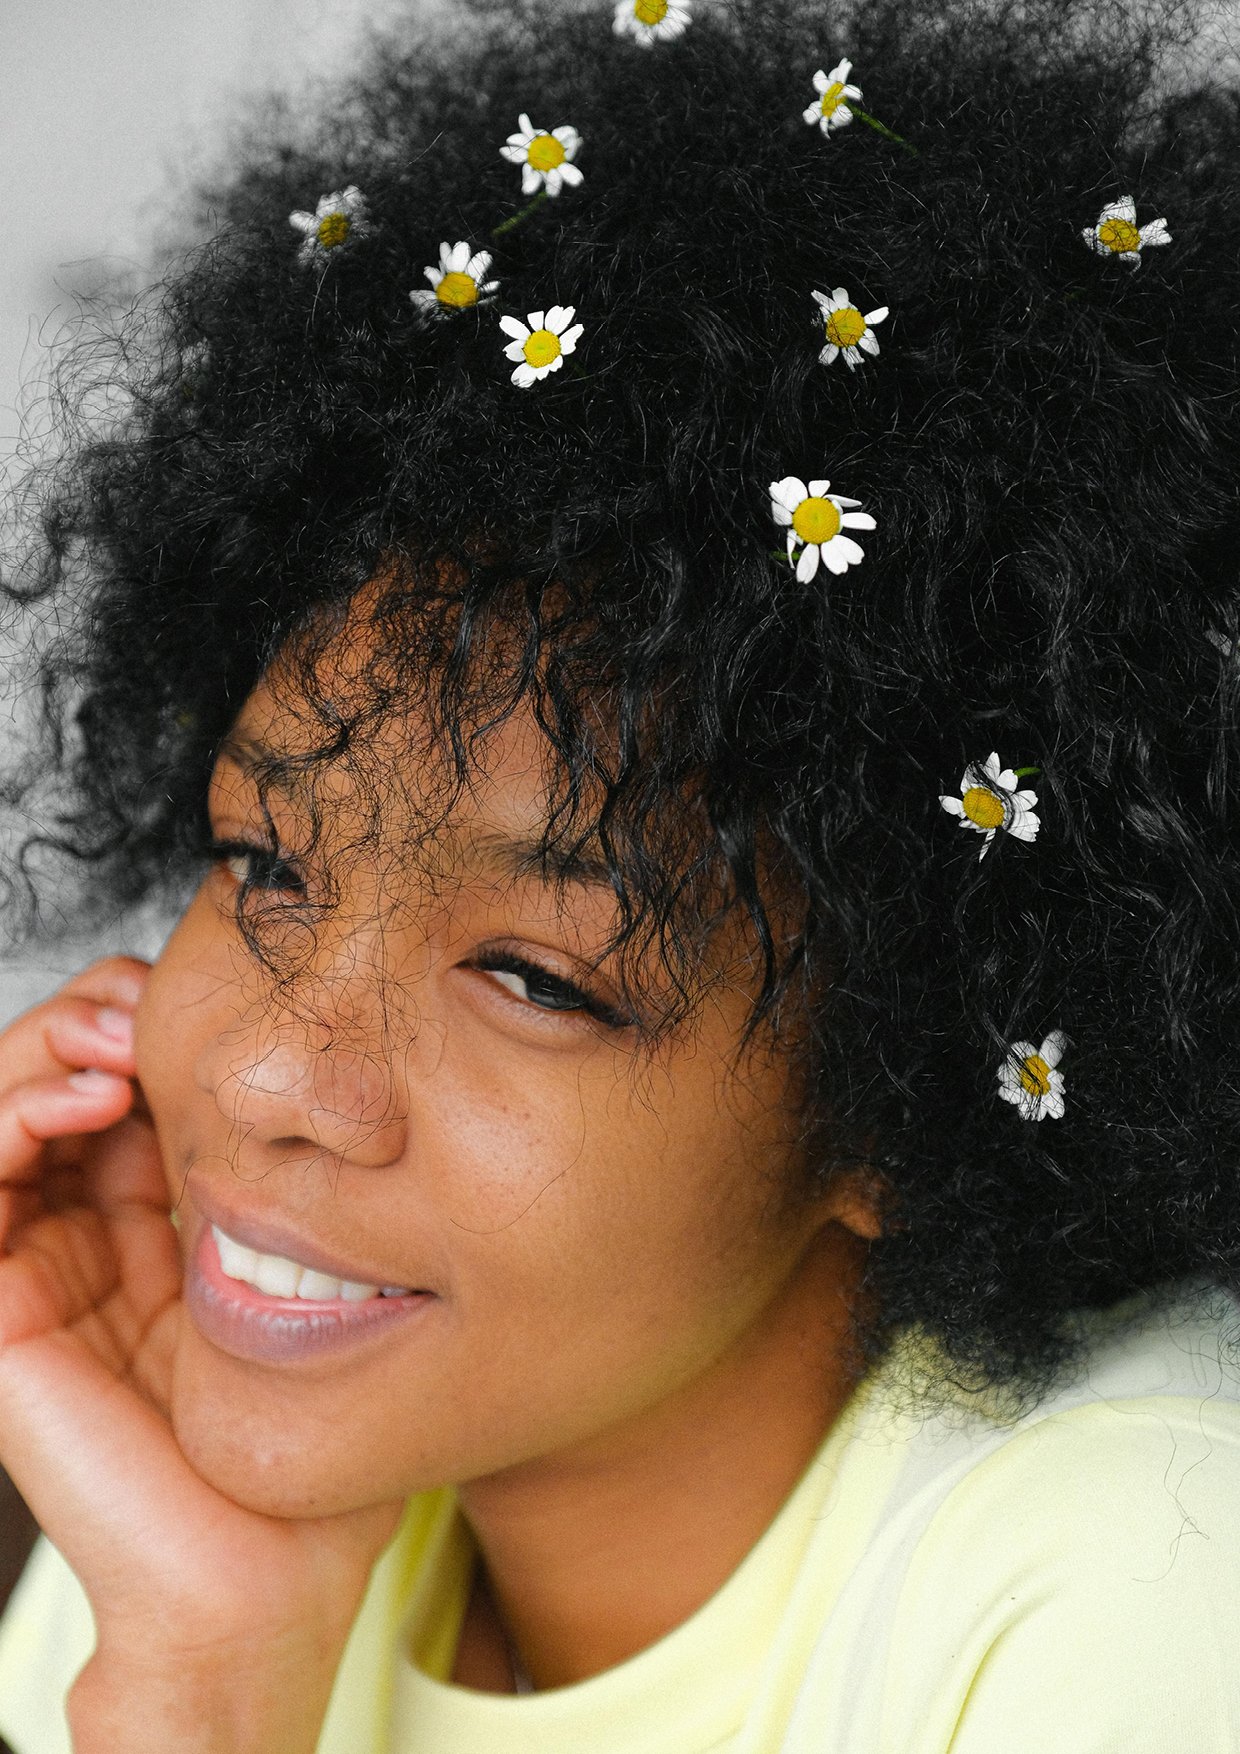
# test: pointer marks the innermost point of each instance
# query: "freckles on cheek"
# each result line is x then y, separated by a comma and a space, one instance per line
503, 1155
507, 1125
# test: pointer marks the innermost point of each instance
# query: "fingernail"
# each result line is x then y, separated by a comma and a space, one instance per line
92, 1081
117, 1025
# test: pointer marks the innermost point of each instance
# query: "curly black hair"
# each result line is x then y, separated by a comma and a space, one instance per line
1049, 443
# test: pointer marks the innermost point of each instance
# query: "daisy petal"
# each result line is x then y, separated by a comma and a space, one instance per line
789, 492
845, 550
1052, 1049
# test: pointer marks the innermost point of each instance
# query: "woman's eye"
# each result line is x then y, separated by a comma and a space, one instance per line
258, 867
547, 992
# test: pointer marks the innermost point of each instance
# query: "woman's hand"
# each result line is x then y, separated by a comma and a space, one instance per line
218, 1629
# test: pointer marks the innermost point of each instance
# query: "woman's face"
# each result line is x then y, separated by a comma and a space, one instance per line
447, 1102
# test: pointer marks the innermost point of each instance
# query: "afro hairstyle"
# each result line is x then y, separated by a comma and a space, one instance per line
1048, 442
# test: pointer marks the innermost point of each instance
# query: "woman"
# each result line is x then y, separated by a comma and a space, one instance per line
674, 1186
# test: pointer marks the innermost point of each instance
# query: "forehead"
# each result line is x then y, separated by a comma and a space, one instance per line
331, 734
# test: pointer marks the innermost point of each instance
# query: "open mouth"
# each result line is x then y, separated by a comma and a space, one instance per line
273, 1309
279, 1276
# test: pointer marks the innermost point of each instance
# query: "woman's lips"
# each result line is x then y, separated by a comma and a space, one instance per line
251, 1324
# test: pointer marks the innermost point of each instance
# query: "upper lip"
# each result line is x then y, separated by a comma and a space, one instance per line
271, 1236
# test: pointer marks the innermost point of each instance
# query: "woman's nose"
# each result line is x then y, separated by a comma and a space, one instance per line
286, 1089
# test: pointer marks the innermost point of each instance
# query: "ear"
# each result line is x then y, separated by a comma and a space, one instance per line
855, 1199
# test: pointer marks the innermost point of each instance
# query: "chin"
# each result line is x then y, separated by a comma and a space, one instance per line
243, 1438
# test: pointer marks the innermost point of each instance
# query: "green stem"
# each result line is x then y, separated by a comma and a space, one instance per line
1024, 773
497, 231
881, 128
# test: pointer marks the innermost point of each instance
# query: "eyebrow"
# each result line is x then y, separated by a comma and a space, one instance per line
516, 856
530, 856
259, 762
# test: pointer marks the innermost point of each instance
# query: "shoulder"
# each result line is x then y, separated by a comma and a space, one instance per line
1080, 1581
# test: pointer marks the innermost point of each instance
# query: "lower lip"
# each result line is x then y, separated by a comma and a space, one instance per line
283, 1330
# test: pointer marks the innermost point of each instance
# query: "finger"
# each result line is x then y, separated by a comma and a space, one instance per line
101, 1001
122, 1167
55, 1108
117, 980
64, 1034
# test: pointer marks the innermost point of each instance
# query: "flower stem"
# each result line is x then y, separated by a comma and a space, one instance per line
510, 224
881, 128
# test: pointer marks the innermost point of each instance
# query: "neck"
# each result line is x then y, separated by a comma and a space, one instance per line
592, 1556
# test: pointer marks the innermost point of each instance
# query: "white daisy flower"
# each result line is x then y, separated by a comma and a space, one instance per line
830, 108
817, 520
339, 219
458, 283
546, 158
1117, 232
1028, 1077
990, 800
540, 344
652, 21
847, 331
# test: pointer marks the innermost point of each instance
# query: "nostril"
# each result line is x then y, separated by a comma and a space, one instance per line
289, 1095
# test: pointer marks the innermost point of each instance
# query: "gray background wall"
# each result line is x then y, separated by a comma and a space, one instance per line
105, 107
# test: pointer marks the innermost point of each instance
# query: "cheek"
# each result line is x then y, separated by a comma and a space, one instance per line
178, 1014
611, 1216
160, 1032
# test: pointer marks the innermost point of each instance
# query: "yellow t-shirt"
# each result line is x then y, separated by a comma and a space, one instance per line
943, 1583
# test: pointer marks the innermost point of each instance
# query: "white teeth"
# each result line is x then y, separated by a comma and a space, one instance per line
278, 1276
321, 1285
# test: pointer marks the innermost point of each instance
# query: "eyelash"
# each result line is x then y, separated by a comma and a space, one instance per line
269, 872
535, 976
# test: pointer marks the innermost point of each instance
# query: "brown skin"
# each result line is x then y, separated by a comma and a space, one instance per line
638, 1339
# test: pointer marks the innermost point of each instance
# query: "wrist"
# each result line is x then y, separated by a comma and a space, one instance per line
269, 1699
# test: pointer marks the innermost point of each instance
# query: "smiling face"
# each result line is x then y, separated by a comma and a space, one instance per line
448, 1100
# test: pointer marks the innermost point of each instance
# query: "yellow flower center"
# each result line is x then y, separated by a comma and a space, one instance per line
541, 348
650, 12
457, 290
831, 97
845, 327
546, 152
1119, 234
984, 807
1035, 1076
816, 520
333, 229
